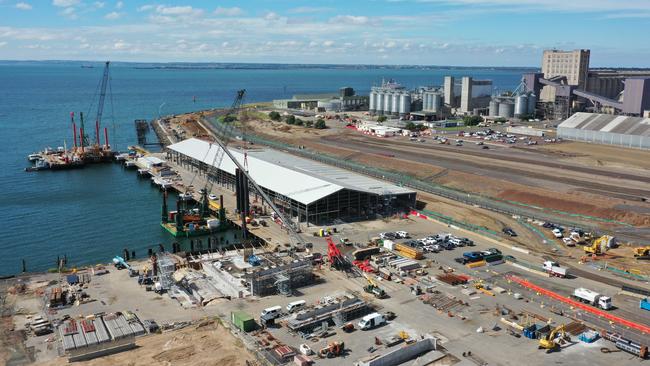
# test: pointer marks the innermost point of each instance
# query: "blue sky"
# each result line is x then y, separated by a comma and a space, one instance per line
427, 32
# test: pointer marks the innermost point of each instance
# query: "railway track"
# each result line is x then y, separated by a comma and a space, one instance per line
375, 147
508, 157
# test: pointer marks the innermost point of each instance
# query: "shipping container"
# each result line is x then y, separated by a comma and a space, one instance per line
243, 321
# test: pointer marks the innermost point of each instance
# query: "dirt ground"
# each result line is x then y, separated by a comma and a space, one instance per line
599, 155
205, 344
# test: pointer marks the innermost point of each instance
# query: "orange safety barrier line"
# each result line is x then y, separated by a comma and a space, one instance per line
580, 305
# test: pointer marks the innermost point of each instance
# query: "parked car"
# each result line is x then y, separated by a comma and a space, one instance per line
213, 197
557, 233
509, 231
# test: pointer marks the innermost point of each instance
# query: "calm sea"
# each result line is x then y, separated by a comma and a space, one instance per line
90, 215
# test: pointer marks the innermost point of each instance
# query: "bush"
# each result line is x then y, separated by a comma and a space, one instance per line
229, 118
309, 123
275, 116
290, 119
382, 119
472, 120
320, 124
299, 122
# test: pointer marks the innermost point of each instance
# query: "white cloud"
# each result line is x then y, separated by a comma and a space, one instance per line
99, 4
113, 15
146, 7
65, 3
308, 10
271, 16
3, 43
69, 13
352, 20
23, 6
328, 43
178, 10
228, 12
119, 5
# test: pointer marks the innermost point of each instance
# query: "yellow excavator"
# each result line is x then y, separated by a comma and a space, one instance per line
548, 342
481, 287
600, 245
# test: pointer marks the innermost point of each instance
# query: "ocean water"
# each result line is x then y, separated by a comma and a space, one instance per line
91, 214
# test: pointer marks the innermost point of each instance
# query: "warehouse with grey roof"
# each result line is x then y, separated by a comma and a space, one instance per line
307, 190
633, 132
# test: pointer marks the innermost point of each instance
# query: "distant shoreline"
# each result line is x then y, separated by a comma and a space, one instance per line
258, 66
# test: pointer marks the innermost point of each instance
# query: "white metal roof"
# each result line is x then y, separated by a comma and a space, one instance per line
625, 125
300, 179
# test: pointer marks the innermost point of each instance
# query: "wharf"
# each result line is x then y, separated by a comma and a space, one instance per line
273, 234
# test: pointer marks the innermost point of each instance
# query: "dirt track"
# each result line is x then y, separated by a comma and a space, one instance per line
209, 344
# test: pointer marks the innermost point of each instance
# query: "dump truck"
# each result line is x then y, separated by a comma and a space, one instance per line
593, 298
554, 269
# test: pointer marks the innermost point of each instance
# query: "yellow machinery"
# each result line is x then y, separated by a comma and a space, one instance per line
373, 288
548, 341
408, 252
600, 245
642, 251
479, 286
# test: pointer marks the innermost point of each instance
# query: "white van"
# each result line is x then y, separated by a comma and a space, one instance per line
272, 312
296, 305
370, 321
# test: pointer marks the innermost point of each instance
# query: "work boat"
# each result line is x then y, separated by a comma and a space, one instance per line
34, 157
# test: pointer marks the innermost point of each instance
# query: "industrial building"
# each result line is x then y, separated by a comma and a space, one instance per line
607, 129
566, 85
306, 190
345, 100
467, 95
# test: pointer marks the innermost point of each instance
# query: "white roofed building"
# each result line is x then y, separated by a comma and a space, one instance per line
309, 190
608, 129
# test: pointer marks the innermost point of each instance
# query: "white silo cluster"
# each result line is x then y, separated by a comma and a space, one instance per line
390, 99
431, 101
513, 106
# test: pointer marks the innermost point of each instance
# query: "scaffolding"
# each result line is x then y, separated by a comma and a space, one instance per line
280, 279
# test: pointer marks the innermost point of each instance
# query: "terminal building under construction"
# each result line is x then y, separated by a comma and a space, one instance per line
309, 191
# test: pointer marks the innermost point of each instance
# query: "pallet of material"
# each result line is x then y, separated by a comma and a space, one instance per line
476, 264
100, 331
452, 279
575, 328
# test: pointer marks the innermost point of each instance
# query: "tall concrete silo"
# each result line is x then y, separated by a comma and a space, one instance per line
521, 105
436, 103
404, 104
394, 104
494, 108
506, 109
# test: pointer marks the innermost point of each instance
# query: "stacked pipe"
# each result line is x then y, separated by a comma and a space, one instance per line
626, 344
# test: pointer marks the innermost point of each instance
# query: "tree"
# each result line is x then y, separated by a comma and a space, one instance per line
290, 119
410, 126
381, 119
275, 116
309, 123
320, 124
472, 120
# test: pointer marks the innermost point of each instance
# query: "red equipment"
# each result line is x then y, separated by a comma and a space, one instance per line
334, 255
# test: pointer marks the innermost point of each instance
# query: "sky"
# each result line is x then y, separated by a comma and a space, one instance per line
409, 32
